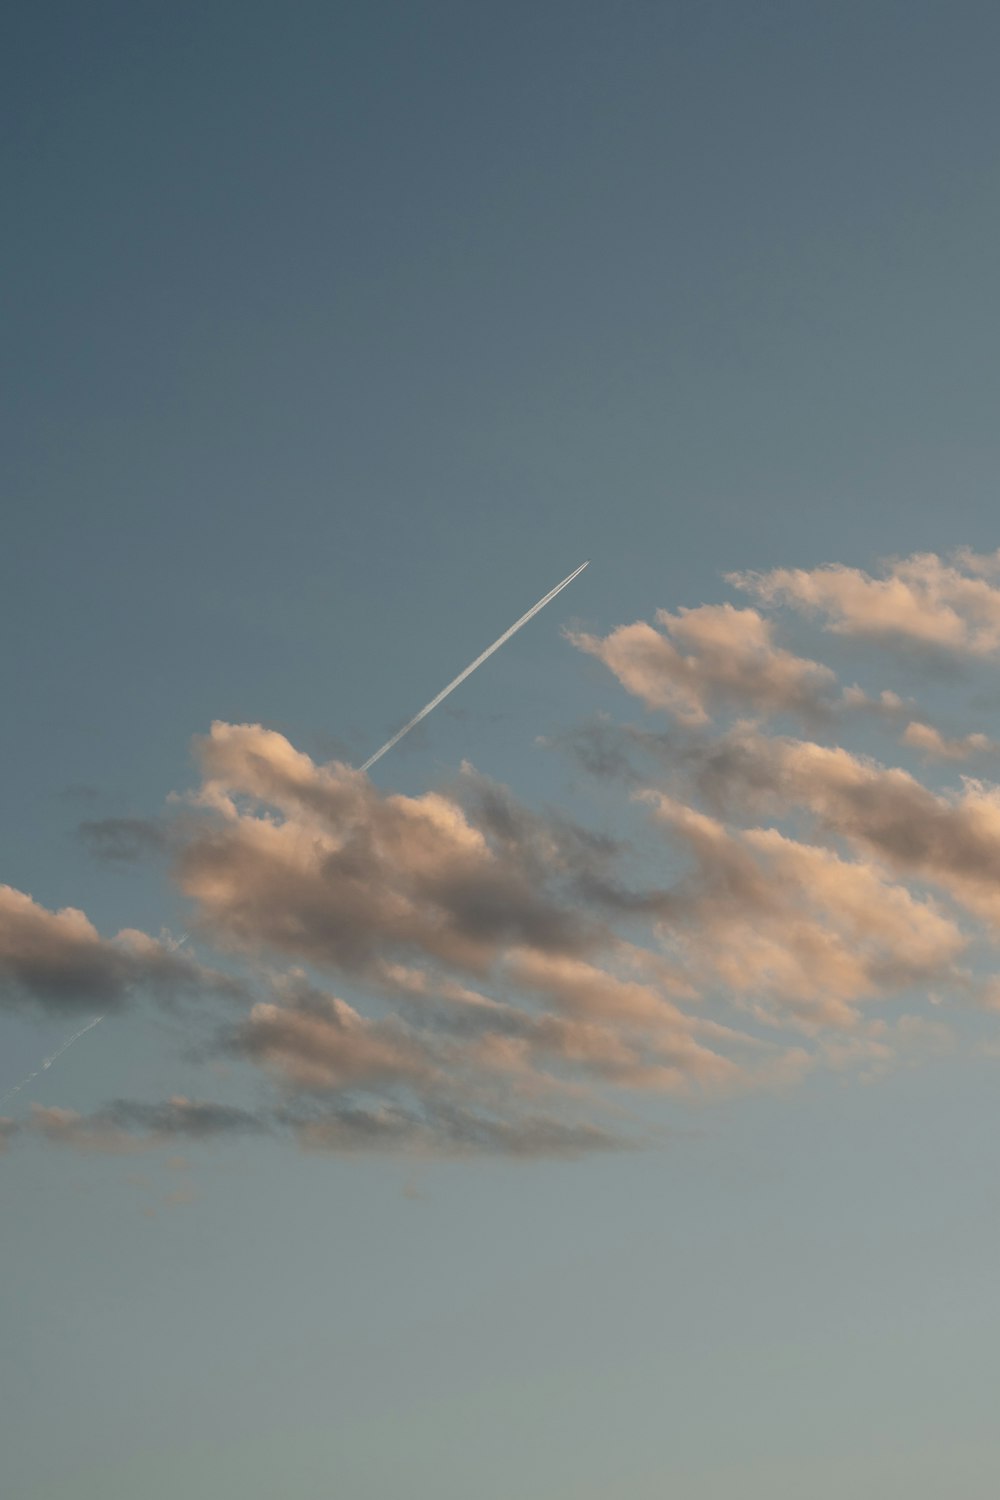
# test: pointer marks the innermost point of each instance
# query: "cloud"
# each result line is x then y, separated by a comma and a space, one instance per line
452, 972
919, 601
424, 901
57, 961
453, 1132
314, 863
123, 840
315, 1042
511, 1010
885, 1046
933, 745
127, 1125
626, 1031
713, 655
795, 930
951, 839
490, 1057
325, 870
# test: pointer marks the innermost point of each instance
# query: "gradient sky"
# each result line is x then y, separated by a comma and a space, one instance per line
335, 335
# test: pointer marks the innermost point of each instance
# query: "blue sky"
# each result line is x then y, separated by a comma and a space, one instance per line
335, 336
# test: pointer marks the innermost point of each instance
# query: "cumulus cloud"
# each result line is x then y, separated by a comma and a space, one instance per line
455, 973
312, 862
934, 745
920, 601
951, 839
431, 902
511, 1008
57, 961
627, 1030
320, 866
713, 655
795, 930
315, 1042
488, 1055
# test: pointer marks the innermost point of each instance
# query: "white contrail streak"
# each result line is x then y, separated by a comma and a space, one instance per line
48, 1061
428, 707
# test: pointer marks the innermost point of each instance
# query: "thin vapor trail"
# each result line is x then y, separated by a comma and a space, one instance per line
428, 707
48, 1061
172, 943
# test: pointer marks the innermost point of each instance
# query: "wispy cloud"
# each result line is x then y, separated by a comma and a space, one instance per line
123, 840
951, 839
934, 745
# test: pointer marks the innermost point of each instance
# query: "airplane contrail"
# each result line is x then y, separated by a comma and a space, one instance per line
172, 943
48, 1061
428, 707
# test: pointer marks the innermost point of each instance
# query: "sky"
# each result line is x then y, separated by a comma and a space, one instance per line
597, 1098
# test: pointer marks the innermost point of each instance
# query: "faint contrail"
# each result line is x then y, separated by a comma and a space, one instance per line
172, 943
48, 1061
472, 667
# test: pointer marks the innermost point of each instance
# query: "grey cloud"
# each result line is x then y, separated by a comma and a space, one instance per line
123, 840
58, 961
952, 840
619, 1031
127, 1125
601, 749
347, 877
181, 1117
540, 842
341, 1127
315, 1041
453, 1132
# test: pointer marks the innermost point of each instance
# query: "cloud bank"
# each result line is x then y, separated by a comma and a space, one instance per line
456, 973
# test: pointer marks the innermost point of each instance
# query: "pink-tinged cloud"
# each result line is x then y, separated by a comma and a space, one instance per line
58, 961
514, 980
325, 870
796, 932
951, 839
935, 746
712, 656
921, 600
316, 1042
